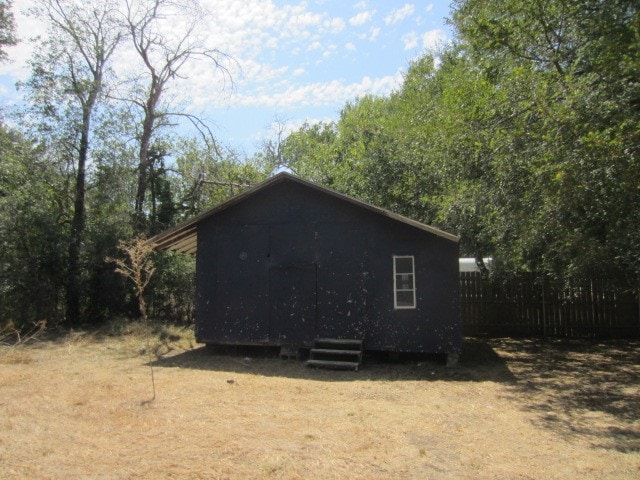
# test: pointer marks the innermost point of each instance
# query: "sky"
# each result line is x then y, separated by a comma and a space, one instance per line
293, 61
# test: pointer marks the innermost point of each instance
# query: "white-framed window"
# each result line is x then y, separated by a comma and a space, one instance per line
404, 283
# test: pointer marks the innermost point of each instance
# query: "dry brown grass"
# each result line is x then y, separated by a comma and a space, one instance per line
75, 407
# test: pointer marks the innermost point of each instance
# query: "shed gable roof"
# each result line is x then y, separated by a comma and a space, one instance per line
183, 238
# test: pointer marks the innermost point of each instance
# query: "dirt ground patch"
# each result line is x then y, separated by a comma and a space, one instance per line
78, 407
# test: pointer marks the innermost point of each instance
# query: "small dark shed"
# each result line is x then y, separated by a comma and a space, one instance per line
288, 262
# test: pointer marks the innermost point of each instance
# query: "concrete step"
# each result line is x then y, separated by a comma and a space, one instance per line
336, 353
338, 343
333, 351
339, 365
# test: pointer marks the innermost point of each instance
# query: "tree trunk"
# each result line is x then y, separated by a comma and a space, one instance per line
143, 155
77, 226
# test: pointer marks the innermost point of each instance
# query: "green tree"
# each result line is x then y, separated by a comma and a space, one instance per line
571, 125
33, 232
71, 68
524, 139
458, 133
7, 29
204, 178
312, 152
110, 190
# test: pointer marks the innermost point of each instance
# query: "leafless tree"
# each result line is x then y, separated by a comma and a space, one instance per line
273, 146
166, 37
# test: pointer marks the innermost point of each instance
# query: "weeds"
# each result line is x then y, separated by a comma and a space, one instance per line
10, 335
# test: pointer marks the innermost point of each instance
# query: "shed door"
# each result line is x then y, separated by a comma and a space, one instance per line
241, 291
292, 312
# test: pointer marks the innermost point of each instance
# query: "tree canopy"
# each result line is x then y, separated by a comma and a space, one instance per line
82, 170
522, 136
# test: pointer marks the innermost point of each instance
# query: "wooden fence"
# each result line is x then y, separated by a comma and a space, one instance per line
521, 307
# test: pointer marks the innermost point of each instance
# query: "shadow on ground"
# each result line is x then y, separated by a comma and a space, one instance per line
479, 362
576, 388
579, 388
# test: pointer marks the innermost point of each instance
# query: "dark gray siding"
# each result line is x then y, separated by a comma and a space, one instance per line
290, 264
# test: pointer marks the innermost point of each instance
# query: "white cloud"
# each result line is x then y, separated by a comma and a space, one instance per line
272, 43
336, 25
429, 8
253, 32
410, 40
299, 21
255, 72
276, 48
246, 28
330, 51
322, 93
400, 14
361, 18
205, 89
371, 35
433, 39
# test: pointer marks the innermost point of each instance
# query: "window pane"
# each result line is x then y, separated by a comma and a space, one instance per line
404, 265
404, 281
404, 299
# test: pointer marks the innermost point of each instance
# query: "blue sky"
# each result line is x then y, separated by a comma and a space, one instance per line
295, 61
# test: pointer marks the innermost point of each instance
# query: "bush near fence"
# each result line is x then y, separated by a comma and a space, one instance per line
595, 308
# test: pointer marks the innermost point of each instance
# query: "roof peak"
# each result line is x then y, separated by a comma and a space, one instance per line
183, 237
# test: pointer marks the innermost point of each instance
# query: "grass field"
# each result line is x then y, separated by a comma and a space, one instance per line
78, 406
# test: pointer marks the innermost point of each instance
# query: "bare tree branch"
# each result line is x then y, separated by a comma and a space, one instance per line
165, 55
